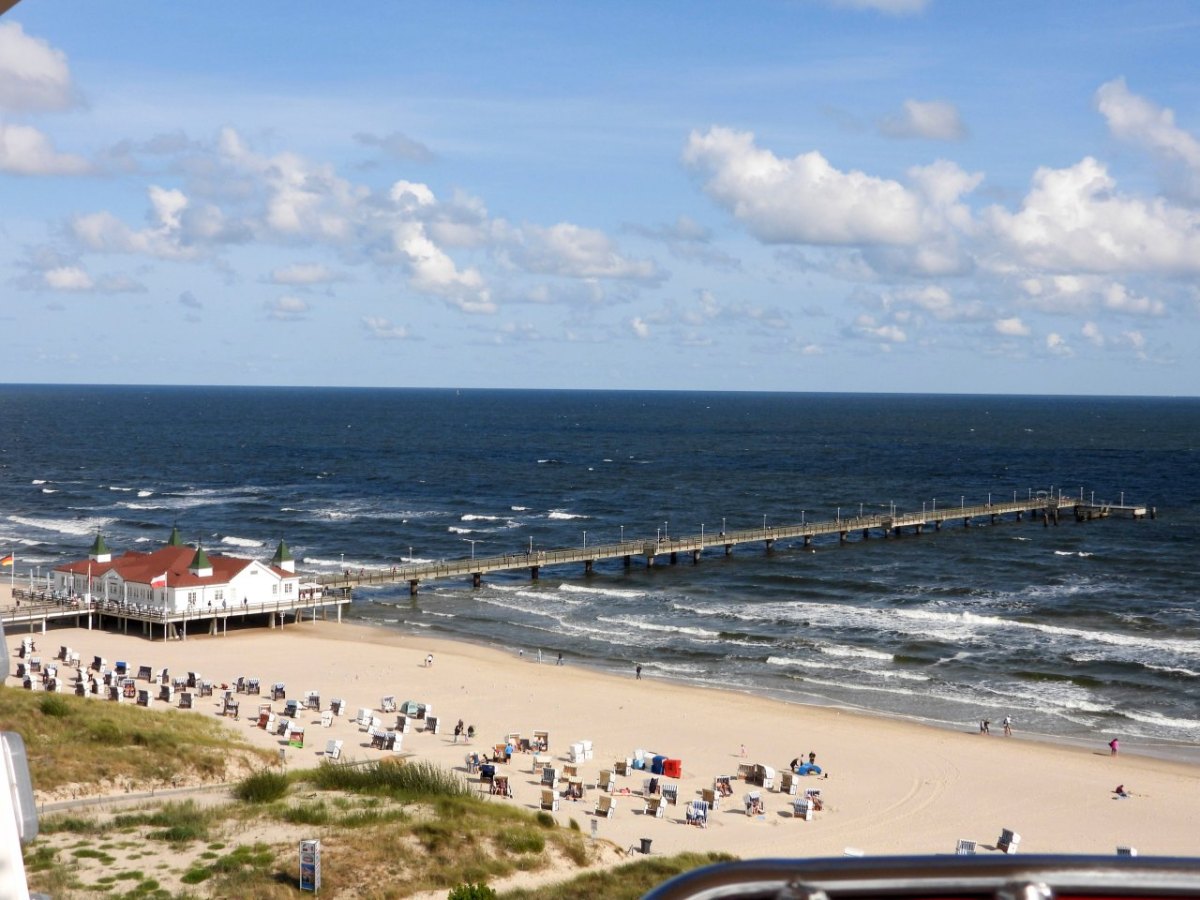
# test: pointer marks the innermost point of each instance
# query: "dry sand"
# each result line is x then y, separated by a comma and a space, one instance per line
892, 787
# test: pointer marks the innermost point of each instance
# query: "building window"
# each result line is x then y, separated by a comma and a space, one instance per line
274, 590
191, 598
218, 595
287, 588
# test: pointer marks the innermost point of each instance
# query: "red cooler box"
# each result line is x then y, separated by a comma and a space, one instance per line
673, 768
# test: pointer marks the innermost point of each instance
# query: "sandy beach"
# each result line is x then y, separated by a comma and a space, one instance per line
892, 787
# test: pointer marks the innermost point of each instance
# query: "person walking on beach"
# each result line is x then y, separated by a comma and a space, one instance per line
1113, 746
638, 671
429, 661
457, 730
559, 663
985, 727
1008, 726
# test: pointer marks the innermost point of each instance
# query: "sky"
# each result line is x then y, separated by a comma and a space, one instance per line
920, 196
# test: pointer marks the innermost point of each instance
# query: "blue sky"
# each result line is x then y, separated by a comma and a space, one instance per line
816, 195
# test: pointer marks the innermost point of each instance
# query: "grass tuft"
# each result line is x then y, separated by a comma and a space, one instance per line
420, 780
265, 786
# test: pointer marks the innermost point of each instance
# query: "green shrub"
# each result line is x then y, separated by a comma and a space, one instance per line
420, 780
521, 840
265, 786
54, 705
471, 892
545, 819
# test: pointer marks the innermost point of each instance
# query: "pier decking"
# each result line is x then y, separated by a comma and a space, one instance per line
1047, 509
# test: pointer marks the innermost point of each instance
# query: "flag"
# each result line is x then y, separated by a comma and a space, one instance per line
7, 560
159, 581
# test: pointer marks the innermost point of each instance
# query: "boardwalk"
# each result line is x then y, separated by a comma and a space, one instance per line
1045, 508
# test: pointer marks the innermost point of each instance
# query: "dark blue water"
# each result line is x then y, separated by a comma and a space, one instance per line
1080, 631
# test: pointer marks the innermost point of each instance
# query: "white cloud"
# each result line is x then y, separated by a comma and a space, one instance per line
1057, 345
105, 233
1074, 219
1136, 342
575, 252
885, 333
383, 329
68, 278
1092, 333
934, 120
33, 75
1118, 299
288, 309
688, 239
302, 200
803, 199
1141, 121
431, 270
639, 327
304, 273
26, 151
1012, 327
1083, 294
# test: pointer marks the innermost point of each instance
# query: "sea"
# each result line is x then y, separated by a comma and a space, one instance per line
1080, 632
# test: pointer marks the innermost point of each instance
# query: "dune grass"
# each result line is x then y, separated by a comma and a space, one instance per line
627, 882
78, 740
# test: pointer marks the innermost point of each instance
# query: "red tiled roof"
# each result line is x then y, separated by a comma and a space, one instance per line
140, 568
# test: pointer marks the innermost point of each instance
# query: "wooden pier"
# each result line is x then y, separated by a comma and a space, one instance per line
1049, 510
38, 611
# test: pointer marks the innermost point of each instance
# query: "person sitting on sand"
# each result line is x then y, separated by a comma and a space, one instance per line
1120, 791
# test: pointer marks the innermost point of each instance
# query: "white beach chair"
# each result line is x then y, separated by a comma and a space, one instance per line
606, 806
1008, 841
607, 782
576, 753
333, 749
964, 847
388, 704
587, 749
327, 719
754, 804
549, 800
654, 807
696, 814
1122, 850
363, 718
